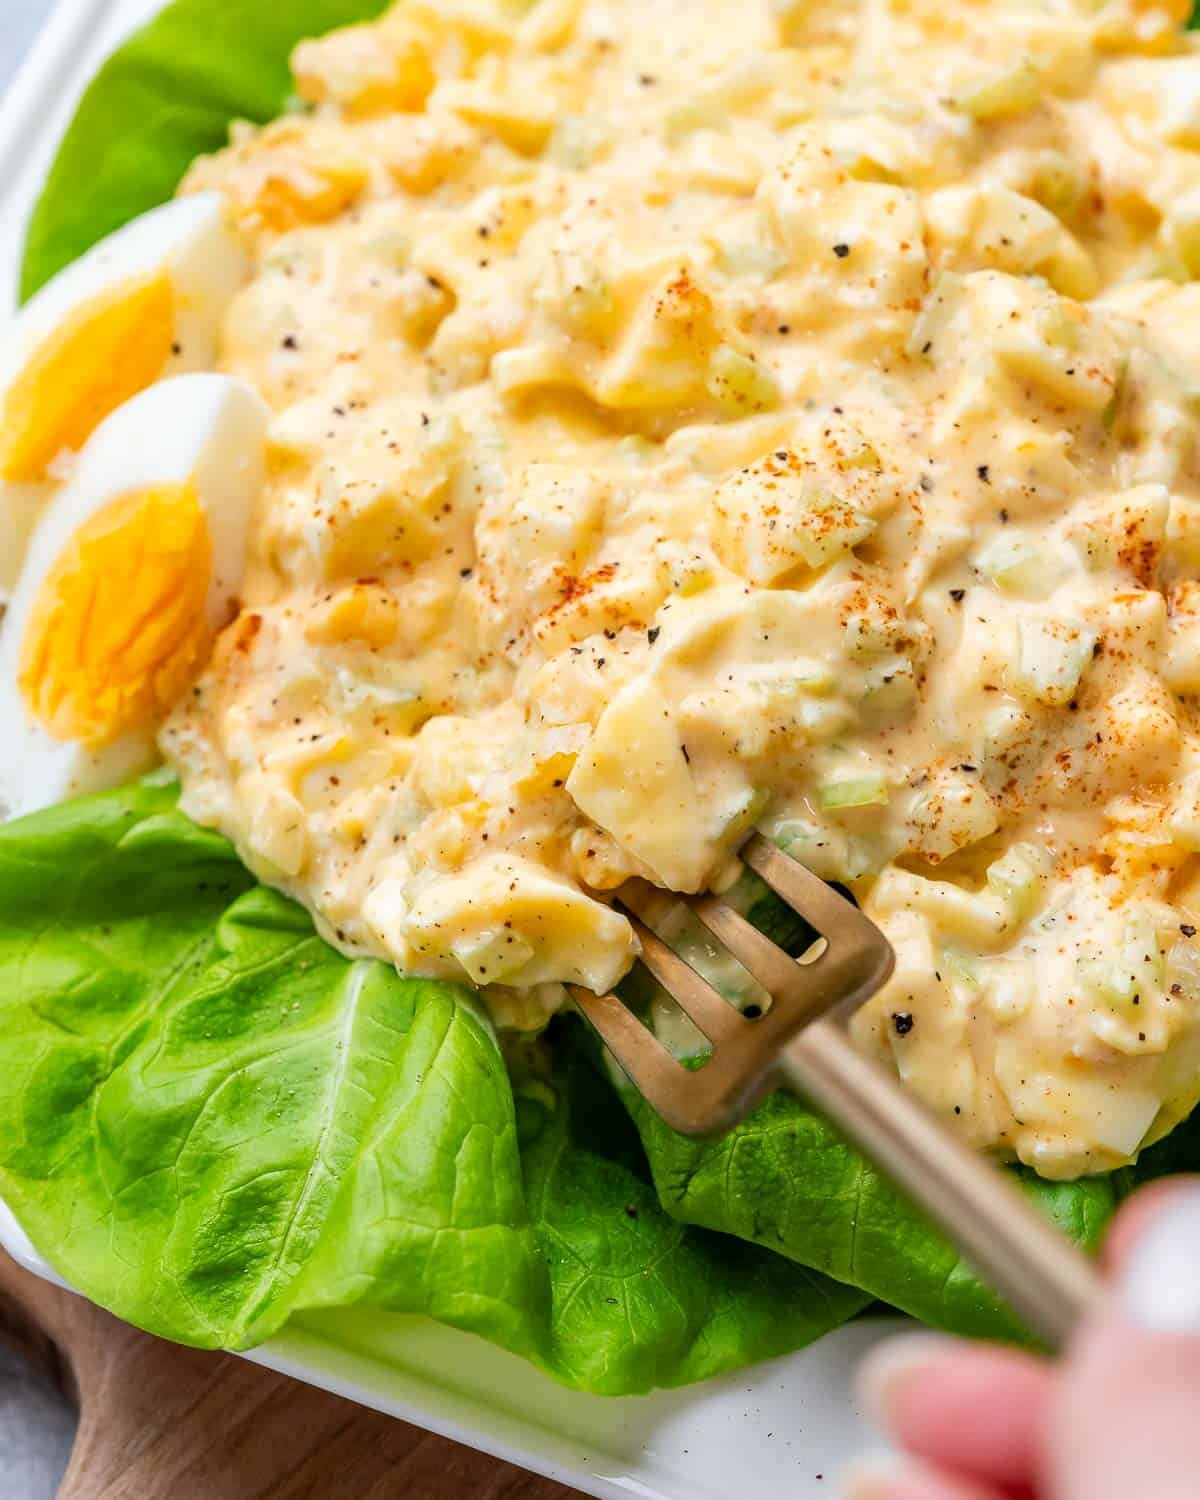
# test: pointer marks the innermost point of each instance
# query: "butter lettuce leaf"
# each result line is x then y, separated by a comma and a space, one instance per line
210, 1120
784, 1179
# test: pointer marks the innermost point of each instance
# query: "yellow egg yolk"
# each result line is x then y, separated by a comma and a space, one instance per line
119, 629
105, 353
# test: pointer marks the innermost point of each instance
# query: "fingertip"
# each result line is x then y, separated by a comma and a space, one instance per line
976, 1411
869, 1481
890, 1480
1156, 1285
891, 1368
1139, 1212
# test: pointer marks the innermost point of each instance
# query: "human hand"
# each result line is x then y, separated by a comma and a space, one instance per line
1117, 1418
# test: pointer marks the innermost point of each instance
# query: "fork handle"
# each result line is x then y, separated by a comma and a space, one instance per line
1043, 1276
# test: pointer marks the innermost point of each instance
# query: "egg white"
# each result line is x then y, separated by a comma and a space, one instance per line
206, 431
193, 243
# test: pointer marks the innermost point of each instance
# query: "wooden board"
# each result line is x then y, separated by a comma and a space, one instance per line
159, 1422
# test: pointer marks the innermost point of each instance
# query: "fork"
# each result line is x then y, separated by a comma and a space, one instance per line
800, 1042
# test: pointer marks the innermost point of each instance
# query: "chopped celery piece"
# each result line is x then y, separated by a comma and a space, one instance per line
740, 383
354, 691
392, 248
889, 683
962, 965
1019, 877
1004, 728
740, 818
1185, 811
749, 258
587, 304
822, 718
1018, 567
806, 841
1107, 981
793, 13
1010, 988
812, 677
577, 141
1058, 184
702, 112
943, 297
827, 852
1122, 979
1002, 96
693, 576
1183, 969
869, 790
637, 450
791, 679
954, 811
868, 633
1141, 942
1052, 657
493, 956
828, 528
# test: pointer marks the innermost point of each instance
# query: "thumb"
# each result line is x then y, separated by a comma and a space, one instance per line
1125, 1420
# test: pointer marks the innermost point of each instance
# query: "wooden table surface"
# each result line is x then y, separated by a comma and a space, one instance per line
158, 1422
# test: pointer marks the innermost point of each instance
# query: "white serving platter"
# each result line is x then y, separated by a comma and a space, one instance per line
782, 1429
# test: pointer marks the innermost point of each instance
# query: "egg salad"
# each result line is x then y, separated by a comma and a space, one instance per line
694, 415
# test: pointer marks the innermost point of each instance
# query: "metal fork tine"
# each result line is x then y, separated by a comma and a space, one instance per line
780, 975
650, 1066
716, 1018
837, 920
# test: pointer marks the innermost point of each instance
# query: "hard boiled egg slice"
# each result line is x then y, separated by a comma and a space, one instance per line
146, 302
133, 568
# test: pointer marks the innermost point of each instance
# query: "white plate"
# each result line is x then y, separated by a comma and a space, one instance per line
784, 1428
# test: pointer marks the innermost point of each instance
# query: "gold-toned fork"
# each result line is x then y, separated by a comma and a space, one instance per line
800, 1043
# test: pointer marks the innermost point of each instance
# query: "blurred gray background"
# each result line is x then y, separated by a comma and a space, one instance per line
35, 1425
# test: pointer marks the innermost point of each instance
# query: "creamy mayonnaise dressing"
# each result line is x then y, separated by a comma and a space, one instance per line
692, 416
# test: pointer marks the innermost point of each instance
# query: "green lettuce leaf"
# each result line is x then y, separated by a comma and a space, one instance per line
165, 97
784, 1179
210, 1120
